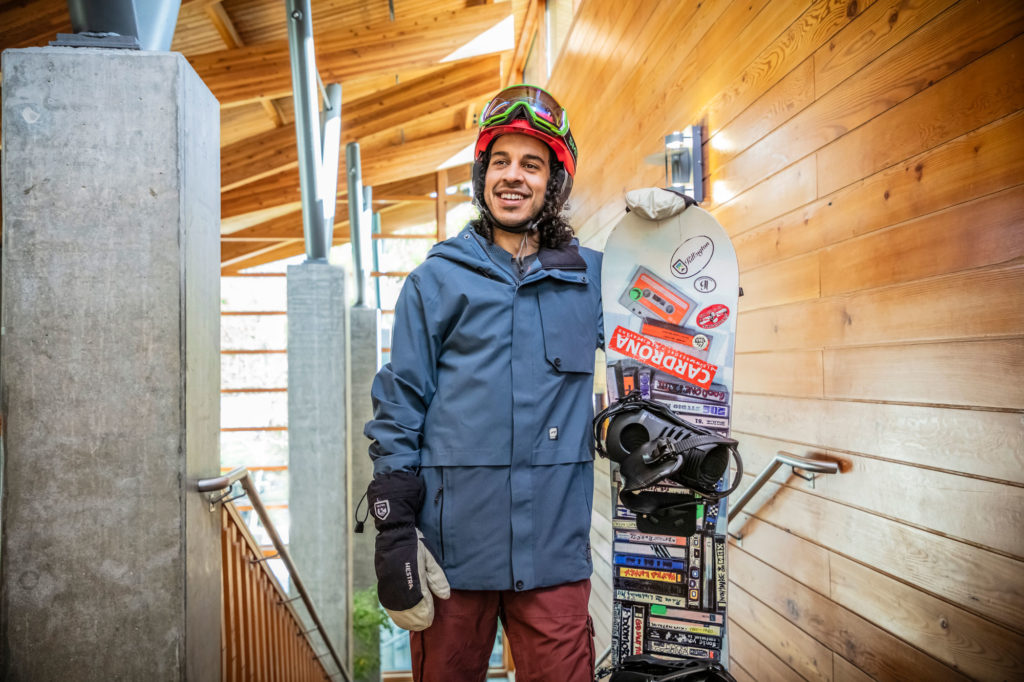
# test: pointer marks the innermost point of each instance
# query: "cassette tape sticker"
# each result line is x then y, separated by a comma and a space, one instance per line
712, 316
657, 355
648, 296
692, 256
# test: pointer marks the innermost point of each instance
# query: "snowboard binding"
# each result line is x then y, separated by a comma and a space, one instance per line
646, 668
651, 445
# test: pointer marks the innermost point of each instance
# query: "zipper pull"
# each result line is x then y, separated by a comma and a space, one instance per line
437, 497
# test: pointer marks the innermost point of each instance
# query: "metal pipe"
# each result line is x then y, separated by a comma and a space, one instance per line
353, 166
331, 137
241, 474
795, 461
307, 125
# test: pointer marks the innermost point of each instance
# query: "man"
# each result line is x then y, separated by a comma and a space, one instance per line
482, 446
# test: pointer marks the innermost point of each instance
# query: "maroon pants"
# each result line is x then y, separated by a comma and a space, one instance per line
548, 630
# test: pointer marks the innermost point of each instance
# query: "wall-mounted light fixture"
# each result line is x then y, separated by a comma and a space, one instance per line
684, 167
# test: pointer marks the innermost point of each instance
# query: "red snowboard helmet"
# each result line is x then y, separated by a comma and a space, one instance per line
528, 110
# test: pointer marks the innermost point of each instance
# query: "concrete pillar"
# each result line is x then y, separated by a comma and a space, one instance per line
365, 343
110, 364
318, 497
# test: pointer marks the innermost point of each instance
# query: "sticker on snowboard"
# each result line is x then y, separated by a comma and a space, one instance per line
670, 286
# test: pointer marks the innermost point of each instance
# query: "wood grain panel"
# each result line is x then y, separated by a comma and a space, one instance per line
983, 91
881, 26
980, 303
968, 235
803, 561
909, 493
805, 655
975, 579
877, 652
793, 373
263, 70
783, 192
796, 279
753, 655
968, 441
844, 671
973, 645
776, 106
946, 44
802, 38
971, 166
956, 373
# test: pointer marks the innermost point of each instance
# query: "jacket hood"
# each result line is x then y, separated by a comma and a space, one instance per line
654, 203
466, 249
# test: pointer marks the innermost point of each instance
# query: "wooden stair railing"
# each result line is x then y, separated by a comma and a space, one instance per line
264, 637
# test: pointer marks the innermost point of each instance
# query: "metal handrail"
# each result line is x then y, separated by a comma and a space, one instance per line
241, 475
789, 459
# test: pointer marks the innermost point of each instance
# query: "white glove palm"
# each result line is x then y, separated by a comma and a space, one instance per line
432, 580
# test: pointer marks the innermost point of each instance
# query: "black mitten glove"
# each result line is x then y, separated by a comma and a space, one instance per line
405, 567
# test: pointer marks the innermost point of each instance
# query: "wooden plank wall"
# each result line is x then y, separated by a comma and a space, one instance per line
866, 158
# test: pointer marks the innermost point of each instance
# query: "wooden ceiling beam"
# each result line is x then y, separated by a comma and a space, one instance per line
523, 41
379, 166
248, 73
447, 88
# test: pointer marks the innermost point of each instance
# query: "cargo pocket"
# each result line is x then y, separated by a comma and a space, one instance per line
570, 327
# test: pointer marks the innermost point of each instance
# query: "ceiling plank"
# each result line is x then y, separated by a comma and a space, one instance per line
252, 72
523, 41
448, 88
379, 166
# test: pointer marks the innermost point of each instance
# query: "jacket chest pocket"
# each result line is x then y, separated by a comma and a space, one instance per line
568, 313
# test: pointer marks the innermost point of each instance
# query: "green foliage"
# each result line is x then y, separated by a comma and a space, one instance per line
368, 618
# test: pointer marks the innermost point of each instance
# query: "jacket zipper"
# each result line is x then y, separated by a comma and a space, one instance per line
439, 497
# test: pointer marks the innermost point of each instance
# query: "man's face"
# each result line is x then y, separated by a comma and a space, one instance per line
516, 178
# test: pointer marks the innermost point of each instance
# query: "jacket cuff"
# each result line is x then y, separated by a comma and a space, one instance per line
387, 464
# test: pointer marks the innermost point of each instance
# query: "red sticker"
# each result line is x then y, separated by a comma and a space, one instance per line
712, 316
653, 354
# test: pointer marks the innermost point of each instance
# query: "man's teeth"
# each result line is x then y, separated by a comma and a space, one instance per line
511, 197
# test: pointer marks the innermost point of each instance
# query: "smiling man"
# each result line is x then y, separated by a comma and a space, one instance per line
482, 446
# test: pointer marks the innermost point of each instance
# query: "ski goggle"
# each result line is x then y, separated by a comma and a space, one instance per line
526, 101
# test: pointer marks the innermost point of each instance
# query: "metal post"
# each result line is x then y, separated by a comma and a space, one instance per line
307, 125
331, 136
353, 166
376, 257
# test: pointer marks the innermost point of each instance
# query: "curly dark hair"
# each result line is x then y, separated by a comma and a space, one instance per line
552, 225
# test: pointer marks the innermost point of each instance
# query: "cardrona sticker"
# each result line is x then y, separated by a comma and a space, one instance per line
692, 256
712, 316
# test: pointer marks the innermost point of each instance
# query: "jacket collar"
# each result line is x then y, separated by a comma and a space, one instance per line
468, 249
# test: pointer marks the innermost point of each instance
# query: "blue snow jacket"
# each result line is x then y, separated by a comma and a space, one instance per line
489, 394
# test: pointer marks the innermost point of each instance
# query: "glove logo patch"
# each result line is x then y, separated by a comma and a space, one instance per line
381, 509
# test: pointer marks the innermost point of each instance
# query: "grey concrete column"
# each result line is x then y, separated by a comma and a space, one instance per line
318, 428
110, 365
365, 343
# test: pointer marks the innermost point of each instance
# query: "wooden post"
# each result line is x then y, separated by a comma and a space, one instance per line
441, 207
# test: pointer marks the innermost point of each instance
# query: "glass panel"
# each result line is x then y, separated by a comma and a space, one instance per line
253, 293
253, 448
253, 332
262, 370
251, 410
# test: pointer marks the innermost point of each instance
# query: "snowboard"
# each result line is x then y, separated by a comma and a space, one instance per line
670, 286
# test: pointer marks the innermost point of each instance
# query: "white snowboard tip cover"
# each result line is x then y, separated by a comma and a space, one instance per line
654, 203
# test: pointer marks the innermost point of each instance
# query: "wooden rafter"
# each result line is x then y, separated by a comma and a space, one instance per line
523, 41
221, 21
248, 73
379, 166
447, 88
